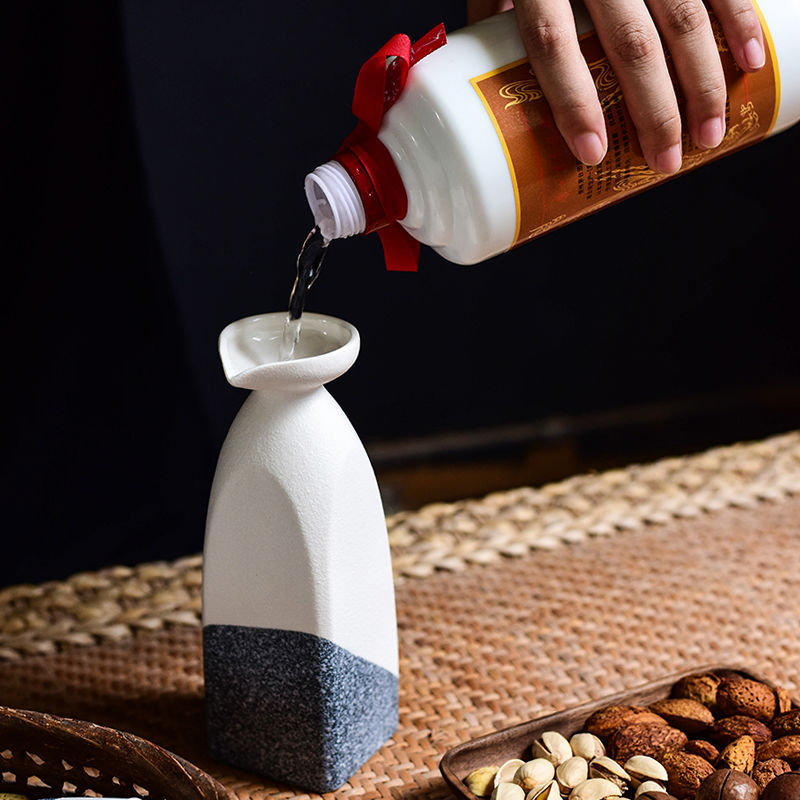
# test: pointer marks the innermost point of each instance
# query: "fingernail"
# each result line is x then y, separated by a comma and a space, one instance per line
711, 133
669, 160
754, 54
589, 147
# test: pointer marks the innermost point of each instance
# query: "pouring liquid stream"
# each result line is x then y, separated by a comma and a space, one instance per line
309, 263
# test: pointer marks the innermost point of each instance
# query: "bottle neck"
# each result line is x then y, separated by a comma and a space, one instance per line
335, 201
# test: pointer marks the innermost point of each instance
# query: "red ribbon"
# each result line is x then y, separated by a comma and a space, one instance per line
380, 82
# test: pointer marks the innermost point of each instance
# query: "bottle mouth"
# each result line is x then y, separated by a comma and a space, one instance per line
335, 201
250, 351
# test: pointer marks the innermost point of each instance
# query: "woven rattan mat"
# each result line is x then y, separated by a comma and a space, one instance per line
509, 607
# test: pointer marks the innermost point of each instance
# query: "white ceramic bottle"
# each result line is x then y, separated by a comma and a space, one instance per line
478, 155
299, 628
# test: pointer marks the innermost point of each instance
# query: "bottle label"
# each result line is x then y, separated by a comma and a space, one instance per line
551, 188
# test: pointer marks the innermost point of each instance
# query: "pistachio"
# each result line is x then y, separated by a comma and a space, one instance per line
587, 745
553, 746
507, 771
645, 768
572, 772
508, 791
605, 767
547, 791
481, 781
649, 786
534, 773
595, 789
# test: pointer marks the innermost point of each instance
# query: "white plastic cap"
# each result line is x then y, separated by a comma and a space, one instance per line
335, 202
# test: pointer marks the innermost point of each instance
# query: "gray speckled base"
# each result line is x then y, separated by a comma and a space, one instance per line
294, 707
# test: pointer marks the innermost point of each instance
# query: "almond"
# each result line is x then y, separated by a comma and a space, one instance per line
702, 688
786, 724
685, 773
688, 715
738, 695
765, 771
740, 755
786, 748
607, 721
645, 739
730, 728
700, 747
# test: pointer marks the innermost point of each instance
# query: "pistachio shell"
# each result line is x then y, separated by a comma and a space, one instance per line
643, 768
571, 772
605, 767
649, 786
553, 746
507, 771
508, 791
587, 745
547, 791
595, 789
534, 773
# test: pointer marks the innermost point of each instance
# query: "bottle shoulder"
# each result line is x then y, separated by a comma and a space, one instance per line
446, 148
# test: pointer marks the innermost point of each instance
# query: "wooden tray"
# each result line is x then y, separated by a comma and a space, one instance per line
515, 742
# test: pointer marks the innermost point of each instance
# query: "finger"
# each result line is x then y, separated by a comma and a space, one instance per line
631, 42
743, 32
686, 29
547, 28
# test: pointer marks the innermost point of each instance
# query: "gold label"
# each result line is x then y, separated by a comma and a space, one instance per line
552, 188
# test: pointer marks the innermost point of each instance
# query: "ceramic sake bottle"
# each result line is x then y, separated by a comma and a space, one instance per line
299, 627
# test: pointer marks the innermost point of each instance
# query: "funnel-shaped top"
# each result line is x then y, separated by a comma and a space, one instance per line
250, 352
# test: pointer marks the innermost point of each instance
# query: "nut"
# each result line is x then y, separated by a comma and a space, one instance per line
507, 771
643, 769
700, 747
534, 773
738, 695
508, 791
595, 789
787, 748
552, 746
702, 688
610, 770
607, 721
730, 728
655, 795
784, 787
645, 740
547, 791
765, 771
684, 713
727, 784
587, 745
481, 781
649, 788
739, 755
572, 772
786, 724
685, 772
783, 702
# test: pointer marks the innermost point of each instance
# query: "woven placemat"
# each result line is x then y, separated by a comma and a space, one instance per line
482, 647
112, 604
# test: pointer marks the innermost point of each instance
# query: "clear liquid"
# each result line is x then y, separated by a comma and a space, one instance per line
291, 336
309, 263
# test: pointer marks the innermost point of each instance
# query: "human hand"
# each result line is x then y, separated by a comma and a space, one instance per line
630, 32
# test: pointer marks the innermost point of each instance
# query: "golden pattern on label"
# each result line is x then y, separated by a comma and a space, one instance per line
525, 91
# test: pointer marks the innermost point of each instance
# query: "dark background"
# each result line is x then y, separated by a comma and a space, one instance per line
152, 159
